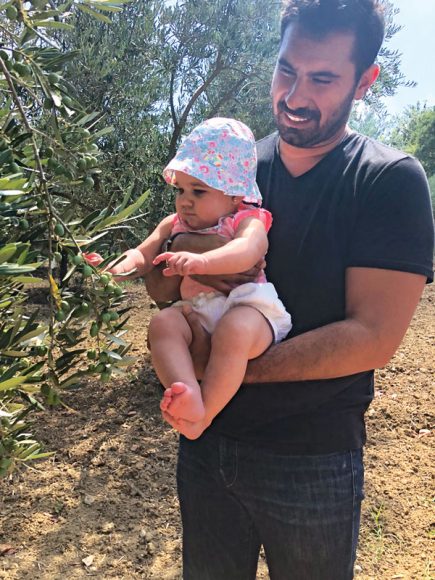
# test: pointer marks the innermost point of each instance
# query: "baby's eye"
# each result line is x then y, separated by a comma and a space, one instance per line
199, 192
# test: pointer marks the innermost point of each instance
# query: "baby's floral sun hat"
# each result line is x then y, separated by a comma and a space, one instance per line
221, 153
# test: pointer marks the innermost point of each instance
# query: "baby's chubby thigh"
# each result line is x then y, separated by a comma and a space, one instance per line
243, 332
168, 324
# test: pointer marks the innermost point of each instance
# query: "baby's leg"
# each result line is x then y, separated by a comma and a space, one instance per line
242, 334
170, 337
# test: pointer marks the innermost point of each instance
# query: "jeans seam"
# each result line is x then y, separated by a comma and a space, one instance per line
352, 463
236, 471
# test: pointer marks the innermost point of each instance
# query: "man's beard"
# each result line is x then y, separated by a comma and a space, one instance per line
315, 135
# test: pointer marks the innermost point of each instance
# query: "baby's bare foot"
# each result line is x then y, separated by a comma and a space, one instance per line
186, 402
192, 430
166, 400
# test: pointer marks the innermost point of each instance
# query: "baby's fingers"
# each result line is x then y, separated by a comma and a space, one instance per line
162, 258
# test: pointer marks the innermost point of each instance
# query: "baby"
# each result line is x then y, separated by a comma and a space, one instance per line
214, 173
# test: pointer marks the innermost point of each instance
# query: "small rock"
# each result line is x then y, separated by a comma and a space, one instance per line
424, 432
108, 527
89, 499
358, 569
88, 561
151, 548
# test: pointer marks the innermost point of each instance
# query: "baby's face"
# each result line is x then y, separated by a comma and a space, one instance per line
200, 205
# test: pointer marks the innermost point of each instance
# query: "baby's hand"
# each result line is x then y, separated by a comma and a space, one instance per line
182, 263
93, 258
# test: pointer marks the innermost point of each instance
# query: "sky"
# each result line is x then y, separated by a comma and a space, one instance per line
416, 42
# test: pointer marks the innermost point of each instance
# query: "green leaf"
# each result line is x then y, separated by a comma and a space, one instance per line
12, 269
119, 217
87, 119
52, 24
7, 252
94, 13
102, 132
12, 192
115, 339
7, 183
12, 383
27, 279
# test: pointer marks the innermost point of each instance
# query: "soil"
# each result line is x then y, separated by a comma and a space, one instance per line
105, 505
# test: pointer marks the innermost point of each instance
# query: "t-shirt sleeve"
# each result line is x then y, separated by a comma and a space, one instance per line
257, 212
393, 226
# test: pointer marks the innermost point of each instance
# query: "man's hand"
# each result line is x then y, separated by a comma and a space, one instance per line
228, 282
182, 263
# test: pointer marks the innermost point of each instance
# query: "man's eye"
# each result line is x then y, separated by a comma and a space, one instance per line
322, 81
287, 72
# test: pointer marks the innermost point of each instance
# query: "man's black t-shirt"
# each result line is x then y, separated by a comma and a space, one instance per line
363, 205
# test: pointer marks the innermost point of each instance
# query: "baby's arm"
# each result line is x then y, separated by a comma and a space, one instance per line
139, 260
238, 255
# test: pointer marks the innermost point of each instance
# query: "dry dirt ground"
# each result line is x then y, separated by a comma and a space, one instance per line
105, 504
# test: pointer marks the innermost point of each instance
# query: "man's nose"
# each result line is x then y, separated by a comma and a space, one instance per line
296, 96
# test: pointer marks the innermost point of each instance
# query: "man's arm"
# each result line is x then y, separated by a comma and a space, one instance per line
239, 254
167, 289
380, 305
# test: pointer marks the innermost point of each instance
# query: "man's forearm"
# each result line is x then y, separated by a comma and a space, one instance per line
380, 305
162, 288
167, 289
335, 350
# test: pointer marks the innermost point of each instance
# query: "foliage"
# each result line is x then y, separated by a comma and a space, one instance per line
159, 68
49, 175
391, 77
415, 133
375, 123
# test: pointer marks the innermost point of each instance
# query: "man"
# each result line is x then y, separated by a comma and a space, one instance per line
350, 252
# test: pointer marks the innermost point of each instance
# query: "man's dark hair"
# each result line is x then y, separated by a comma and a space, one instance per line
319, 18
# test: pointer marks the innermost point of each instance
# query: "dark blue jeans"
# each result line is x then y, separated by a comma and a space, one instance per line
304, 510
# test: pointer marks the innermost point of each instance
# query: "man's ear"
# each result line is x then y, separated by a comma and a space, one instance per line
368, 77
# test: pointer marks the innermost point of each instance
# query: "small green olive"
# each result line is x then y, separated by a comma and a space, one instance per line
11, 12
77, 259
81, 164
60, 316
106, 317
94, 329
53, 78
59, 229
87, 271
